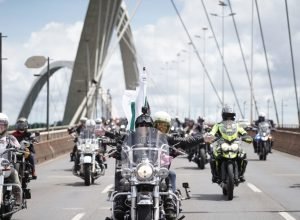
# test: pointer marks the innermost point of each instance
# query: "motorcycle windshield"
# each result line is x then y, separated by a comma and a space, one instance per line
264, 127
87, 134
229, 130
145, 145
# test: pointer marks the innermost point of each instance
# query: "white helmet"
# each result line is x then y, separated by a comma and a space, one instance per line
98, 120
3, 123
83, 120
262, 114
162, 121
90, 123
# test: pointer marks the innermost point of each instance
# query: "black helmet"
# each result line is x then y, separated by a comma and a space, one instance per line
261, 117
200, 120
228, 113
144, 120
22, 124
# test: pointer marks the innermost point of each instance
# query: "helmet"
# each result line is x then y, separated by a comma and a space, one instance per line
98, 121
90, 125
261, 116
200, 120
228, 113
3, 123
144, 120
162, 121
22, 124
83, 120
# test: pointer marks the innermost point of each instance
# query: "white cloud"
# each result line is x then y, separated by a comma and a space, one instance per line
58, 41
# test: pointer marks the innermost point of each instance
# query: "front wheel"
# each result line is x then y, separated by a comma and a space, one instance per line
202, 159
87, 174
144, 213
230, 181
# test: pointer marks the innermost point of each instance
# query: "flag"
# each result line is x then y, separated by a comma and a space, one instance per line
134, 100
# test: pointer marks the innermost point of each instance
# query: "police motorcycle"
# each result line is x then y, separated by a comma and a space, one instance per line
226, 157
144, 167
90, 156
12, 196
263, 140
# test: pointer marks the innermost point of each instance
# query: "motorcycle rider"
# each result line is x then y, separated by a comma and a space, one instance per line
75, 132
262, 118
21, 134
162, 122
227, 115
9, 141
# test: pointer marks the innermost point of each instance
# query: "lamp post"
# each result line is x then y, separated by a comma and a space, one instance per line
222, 4
38, 62
204, 61
189, 84
244, 108
1, 36
268, 106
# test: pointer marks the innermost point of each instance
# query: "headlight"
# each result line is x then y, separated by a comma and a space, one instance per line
144, 171
5, 163
126, 173
163, 173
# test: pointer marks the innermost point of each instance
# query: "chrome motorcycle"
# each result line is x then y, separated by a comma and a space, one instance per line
142, 190
11, 194
90, 156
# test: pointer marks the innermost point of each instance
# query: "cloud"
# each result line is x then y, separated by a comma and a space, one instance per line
58, 41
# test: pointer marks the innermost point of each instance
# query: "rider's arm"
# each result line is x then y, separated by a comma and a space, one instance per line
214, 130
185, 142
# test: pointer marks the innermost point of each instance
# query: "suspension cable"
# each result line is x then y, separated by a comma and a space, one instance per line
196, 51
242, 52
267, 62
222, 58
292, 56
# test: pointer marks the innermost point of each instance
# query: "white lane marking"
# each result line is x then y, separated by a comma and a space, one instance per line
78, 216
106, 189
286, 215
254, 188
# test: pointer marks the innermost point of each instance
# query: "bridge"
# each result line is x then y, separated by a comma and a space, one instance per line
272, 187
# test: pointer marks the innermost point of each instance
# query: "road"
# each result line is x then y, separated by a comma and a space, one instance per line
271, 191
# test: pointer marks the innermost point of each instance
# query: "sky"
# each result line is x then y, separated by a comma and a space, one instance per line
53, 28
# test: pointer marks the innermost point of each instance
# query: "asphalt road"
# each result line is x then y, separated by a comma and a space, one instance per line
271, 191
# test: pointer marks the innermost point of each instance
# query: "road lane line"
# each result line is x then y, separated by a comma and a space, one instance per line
254, 188
78, 216
286, 215
106, 189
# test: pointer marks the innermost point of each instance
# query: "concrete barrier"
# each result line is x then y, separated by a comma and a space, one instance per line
50, 149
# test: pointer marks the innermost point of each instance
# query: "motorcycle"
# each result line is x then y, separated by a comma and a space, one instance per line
12, 197
91, 159
144, 165
263, 140
199, 155
227, 165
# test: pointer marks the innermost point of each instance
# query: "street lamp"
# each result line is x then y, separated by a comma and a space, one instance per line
204, 61
38, 62
222, 4
1, 36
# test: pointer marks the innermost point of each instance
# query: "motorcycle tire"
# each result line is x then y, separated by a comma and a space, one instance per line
144, 213
202, 159
230, 181
266, 150
87, 174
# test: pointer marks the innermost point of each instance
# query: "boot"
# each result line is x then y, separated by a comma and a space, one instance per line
34, 176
